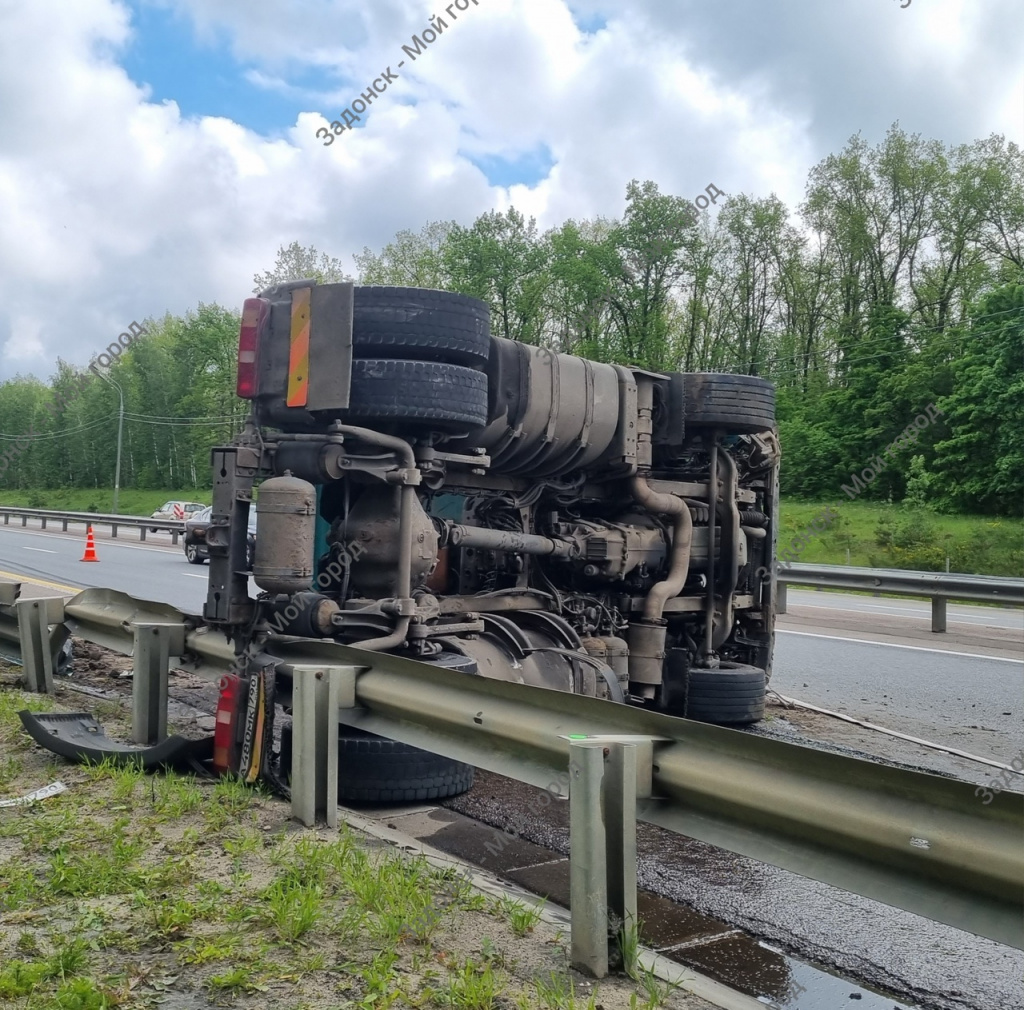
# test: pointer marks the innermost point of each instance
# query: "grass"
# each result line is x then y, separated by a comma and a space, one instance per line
519, 917
131, 889
978, 545
131, 501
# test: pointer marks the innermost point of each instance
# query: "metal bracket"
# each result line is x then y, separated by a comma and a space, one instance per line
644, 755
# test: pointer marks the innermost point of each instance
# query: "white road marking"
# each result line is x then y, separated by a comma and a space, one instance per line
99, 543
41, 550
192, 575
892, 645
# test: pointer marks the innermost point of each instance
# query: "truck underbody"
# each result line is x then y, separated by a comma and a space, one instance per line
495, 507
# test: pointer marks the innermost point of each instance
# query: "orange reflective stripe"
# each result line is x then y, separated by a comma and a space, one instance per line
298, 358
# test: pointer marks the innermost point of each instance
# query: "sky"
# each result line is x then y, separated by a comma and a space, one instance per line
154, 154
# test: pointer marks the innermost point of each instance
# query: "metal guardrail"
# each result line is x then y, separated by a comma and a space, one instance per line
32, 634
920, 842
143, 524
916, 841
938, 586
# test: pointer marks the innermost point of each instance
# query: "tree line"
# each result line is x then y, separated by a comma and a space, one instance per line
897, 282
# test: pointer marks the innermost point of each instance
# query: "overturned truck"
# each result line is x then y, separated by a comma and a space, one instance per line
492, 507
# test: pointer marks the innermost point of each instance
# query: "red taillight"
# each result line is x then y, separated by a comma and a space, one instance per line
254, 313
224, 727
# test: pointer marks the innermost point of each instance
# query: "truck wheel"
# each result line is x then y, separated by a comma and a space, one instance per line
420, 324
427, 394
738, 403
734, 694
374, 769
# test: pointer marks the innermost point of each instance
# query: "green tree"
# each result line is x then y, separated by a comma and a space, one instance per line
502, 260
647, 244
295, 263
412, 259
981, 463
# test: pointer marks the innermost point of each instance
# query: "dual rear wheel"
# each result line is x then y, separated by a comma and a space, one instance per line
418, 359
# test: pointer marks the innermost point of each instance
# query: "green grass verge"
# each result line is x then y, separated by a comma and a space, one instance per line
133, 891
874, 535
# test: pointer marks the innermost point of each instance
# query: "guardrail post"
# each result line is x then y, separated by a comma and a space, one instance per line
149, 686
588, 860
34, 640
938, 613
142, 532
318, 692
174, 538
24, 520
620, 834
781, 597
604, 772
44, 522
64, 525
113, 531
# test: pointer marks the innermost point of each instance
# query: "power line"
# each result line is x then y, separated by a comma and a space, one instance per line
56, 434
178, 424
172, 417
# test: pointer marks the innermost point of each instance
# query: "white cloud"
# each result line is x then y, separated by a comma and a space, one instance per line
114, 207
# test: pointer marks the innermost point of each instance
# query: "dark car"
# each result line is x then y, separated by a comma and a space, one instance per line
194, 544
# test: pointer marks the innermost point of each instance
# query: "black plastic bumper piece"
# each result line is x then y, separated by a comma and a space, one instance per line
78, 737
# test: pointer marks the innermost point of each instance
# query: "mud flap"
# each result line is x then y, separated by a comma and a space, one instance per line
256, 753
78, 737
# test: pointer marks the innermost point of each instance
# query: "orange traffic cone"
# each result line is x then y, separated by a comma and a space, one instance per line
90, 547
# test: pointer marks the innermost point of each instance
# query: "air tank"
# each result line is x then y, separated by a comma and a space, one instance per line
285, 530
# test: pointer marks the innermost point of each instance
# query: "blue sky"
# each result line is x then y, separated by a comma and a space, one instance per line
184, 153
203, 75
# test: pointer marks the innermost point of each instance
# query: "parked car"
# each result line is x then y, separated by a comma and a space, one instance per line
177, 510
194, 544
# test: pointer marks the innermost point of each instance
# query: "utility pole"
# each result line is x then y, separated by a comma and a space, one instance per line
120, 429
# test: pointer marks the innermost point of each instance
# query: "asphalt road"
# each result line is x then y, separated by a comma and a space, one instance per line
154, 570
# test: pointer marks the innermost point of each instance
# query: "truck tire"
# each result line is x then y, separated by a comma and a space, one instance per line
732, 695
426, 394
743, 404
420, 324
374, 769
